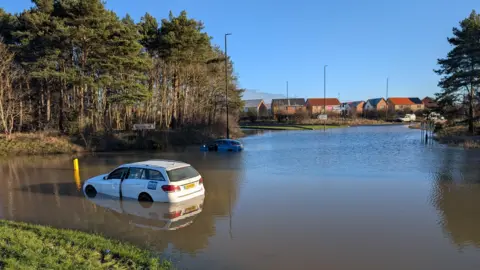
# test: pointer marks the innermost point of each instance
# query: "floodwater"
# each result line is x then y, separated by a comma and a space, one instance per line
353, 198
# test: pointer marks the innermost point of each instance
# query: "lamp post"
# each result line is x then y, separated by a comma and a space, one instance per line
386, 112
226, 82
325, 96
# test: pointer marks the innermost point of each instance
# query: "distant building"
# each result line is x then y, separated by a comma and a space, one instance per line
429, 103
288, 106
353, 107
402, 104
256, 106
316, 105
375, 104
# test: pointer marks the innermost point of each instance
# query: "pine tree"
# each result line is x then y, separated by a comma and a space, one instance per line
461, 67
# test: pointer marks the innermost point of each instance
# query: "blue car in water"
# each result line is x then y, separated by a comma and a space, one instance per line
223, 145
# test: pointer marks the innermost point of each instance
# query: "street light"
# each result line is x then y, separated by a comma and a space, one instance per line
325, 95
226, 82
386, 112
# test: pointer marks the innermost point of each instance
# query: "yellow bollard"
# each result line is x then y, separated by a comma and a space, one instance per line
78, 183
75, 164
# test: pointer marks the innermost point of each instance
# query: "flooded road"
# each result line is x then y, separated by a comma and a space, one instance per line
354, 198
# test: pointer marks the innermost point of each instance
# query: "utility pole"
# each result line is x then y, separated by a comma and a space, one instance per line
288, 100
325, 96
226, 82
386, 112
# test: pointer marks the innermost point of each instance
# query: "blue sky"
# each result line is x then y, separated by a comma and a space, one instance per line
362, 41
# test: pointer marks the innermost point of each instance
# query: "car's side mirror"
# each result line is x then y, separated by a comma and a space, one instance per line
104, 178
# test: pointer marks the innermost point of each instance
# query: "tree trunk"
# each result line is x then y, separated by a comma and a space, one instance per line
61, 124
471, 111
20, 121
49, 103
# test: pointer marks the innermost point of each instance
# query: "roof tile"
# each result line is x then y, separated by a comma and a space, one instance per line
322, 101
401, 101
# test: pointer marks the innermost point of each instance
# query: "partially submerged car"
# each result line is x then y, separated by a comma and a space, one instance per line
223, 145
153, 181
154, 216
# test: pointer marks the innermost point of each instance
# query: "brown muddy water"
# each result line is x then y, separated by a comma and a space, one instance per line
354, 198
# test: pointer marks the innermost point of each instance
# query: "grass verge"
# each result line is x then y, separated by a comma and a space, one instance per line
24, 246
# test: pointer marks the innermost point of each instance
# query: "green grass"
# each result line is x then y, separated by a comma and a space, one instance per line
24, 246
292, 127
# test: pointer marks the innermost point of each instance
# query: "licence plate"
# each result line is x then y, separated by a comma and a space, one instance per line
190, 209
189, 186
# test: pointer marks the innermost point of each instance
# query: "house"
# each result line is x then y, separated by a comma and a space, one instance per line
269, 108
316, 105
375, 104
287, 106
405, 104
353, 107
256, 106
429, 103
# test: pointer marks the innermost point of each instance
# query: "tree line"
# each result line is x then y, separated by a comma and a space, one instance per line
74, 66
460, 70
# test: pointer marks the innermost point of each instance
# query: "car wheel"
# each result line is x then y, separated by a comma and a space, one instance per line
144, 197
90, 191
145, 200
216, 148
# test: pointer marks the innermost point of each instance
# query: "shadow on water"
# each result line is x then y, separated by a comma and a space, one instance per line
456, 195
61, 189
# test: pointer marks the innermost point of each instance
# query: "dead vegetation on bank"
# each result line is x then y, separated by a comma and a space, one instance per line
459, 135
49, 143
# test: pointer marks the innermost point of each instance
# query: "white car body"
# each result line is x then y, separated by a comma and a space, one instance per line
408, 118
161, 180
155, 216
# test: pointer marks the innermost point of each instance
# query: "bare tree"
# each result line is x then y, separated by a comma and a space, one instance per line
11, 105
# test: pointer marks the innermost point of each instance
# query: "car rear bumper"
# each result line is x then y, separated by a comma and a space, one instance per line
176, 199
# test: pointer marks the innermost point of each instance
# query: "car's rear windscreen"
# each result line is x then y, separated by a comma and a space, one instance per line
182, 174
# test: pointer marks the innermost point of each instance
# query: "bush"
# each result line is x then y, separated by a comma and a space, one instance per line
301, 116
252, 116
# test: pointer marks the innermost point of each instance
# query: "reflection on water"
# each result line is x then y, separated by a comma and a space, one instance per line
156, 216
456, 195
356, 198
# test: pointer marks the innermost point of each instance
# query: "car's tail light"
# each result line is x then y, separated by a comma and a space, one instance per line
170, 188
173, 215
201, 181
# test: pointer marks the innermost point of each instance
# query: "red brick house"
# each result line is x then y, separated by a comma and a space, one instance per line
316, 105
429, 103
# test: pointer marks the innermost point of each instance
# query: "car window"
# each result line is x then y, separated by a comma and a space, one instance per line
235, 143
182, 174
152, 175
118, 173
219, 142
135, 173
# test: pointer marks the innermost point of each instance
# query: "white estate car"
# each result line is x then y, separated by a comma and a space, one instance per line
153, 180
